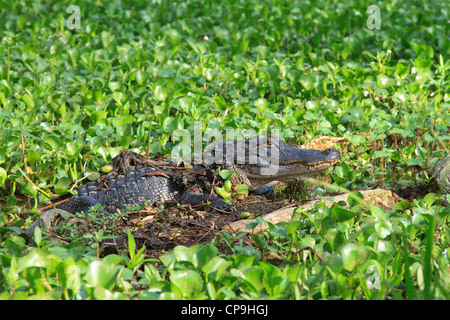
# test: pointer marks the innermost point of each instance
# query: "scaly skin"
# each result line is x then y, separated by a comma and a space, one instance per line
441, 172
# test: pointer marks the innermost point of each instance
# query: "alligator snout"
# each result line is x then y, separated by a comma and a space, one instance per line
331, 154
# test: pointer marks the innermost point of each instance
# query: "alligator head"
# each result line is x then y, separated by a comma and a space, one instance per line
261, 160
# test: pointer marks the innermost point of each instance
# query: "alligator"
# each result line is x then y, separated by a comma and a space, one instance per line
441, 173
256, 161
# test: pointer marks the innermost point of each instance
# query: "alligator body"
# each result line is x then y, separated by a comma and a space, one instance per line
256, 161
441, 173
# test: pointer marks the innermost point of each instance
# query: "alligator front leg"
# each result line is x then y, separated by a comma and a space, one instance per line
215, 203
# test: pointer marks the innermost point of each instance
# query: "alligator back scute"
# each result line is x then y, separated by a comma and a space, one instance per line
136, 187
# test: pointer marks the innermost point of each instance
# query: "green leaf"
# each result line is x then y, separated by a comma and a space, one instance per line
3, 176
261, 104
161, 93
263, 51
204, 254
342, 214
52, 142
99, 115
35, 276
227, 185
253, 277
115, 86
188, 281
339, 171
39, 258
293, 226
74, 54
402, 70
430, 198
131, 245
274, 281
383, 228
355, 198
37, 236
242, 189
222, 192
307, 81
101, 274
308, 241
28, 101
335, 238
226, 174
354, 256
104, 294
215, 267
30, 190
183, 253
377, 212
383, 81
118, 96
423, 63
74, 148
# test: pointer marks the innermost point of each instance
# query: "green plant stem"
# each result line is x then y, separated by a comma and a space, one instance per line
31, 182
427, 261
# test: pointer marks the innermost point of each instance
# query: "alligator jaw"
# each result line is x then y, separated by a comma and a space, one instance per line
287, 173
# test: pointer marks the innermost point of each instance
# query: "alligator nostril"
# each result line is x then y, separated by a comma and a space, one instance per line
332, 153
